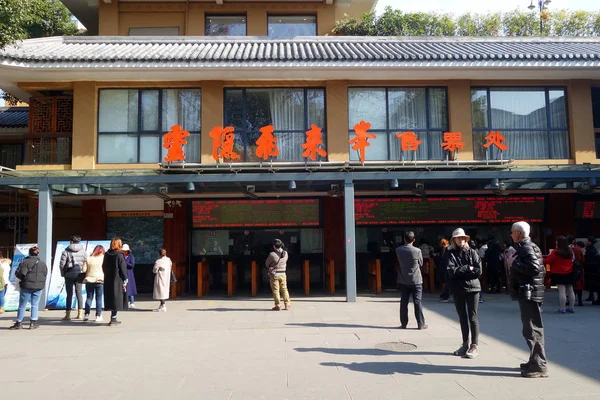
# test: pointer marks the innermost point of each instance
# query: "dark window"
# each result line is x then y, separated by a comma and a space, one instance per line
281, 26
135, 120
291, 111
596, 113
11, 155
225, 25
533, 121
393, 110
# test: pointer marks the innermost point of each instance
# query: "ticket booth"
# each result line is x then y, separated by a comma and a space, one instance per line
234, 237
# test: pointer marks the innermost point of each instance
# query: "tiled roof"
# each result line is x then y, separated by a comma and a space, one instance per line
14, 117
102, 51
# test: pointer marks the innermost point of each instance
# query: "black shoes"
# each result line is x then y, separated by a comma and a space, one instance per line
113, 321
527, 373
34, 325
16, 326
534, 374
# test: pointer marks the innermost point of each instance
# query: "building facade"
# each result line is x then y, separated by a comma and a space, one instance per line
335, 144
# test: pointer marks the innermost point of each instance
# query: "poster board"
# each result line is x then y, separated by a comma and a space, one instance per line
57, 294
11, 299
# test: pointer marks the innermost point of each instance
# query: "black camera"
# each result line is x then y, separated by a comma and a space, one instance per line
526, 291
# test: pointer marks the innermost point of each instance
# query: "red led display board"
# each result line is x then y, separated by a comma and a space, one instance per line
448, 210
255, 213
587, 209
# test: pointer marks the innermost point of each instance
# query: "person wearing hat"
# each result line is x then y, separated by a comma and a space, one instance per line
131, 287
276, 264
464, 270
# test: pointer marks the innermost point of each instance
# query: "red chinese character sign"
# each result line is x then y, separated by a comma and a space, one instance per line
453, 141
266, 144
223, 143
361, 140
174, 141
313, 142
495, 138
409, 141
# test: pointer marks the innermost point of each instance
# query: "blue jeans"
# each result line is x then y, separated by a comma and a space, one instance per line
25, 296
131, 299
98, 290
2, 294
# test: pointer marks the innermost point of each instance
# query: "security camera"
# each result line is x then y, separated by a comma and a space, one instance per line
420, 186
251, 188
163, 190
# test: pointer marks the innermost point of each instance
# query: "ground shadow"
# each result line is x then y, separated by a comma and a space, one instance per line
410, 368
336, 325
368, 352
223, 309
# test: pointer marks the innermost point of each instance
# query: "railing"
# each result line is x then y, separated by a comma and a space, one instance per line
48, 150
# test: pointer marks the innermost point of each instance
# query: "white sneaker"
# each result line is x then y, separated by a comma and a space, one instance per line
162, 309
131, 305
99, 318
86, 317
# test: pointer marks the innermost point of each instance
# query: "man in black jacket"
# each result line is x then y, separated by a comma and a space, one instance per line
527, 286
32, 274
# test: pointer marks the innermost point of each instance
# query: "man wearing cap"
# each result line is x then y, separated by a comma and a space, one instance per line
131, 286
276, 264
410, 259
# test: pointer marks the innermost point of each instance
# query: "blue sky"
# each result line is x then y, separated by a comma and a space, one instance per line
463, 6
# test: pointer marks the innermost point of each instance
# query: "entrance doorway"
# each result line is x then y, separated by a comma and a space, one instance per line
245, 246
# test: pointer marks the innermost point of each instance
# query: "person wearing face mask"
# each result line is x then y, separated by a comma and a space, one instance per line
464, 270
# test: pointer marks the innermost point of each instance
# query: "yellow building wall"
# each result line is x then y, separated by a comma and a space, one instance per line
459, 109
117, 18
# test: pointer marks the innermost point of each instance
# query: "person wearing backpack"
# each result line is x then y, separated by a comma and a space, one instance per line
32, 274
71, 268
4, 276
276, 264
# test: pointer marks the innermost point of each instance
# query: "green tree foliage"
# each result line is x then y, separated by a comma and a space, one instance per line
514, 23
23, 19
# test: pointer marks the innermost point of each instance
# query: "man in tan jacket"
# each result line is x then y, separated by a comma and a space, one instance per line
276, 264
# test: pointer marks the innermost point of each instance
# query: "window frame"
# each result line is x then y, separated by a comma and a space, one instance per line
276, 15
140, 132
305, 90
389, 130
549, 128
207, 16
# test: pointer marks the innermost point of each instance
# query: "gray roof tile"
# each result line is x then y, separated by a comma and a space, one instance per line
14, 117
207, 50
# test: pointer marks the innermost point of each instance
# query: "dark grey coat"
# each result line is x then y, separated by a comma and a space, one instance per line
410, 259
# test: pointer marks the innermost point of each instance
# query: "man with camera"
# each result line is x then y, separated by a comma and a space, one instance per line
527, 286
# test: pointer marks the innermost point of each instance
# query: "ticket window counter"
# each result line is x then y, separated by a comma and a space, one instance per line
380, 242
243, 247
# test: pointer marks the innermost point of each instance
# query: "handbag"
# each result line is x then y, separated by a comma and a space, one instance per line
173, 278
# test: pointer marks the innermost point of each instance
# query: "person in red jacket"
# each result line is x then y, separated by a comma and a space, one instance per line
561, 266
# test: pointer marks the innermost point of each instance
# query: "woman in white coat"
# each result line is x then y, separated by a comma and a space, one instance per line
162, 279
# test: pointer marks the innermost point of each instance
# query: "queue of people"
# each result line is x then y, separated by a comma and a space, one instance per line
105, 273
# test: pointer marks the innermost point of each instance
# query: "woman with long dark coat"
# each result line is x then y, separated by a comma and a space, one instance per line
115, 280
131, 286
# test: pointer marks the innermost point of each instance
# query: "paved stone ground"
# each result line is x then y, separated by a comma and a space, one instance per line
322, 349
